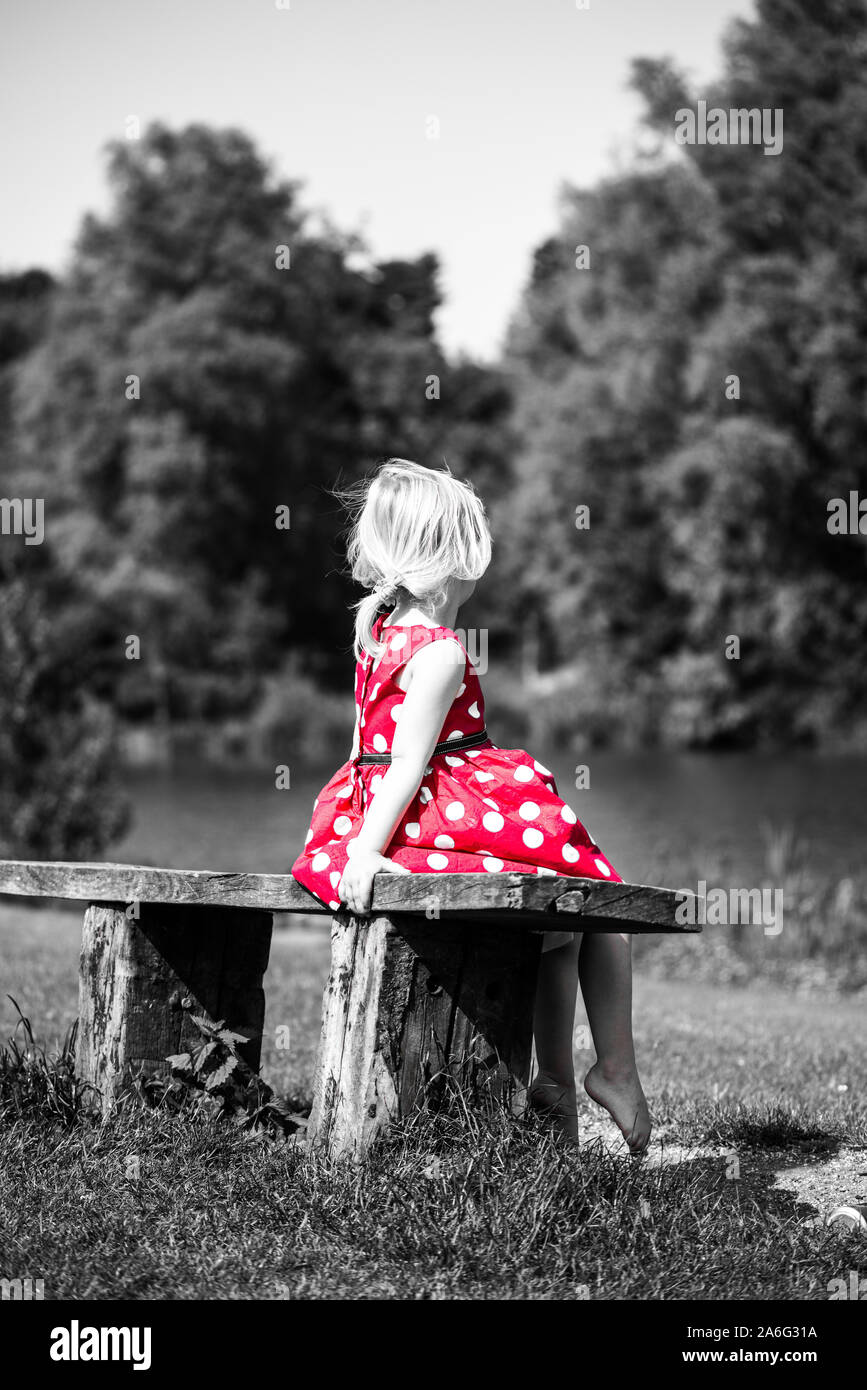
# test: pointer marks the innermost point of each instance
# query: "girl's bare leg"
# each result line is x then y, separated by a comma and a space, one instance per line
603, 962
553, 1088
605, 972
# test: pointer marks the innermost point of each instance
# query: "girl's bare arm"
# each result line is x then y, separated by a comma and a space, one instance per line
435, 674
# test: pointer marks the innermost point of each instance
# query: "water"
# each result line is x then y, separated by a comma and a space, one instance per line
656, 815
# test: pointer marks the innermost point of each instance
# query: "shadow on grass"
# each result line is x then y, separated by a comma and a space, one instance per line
741, 1125
752, 1185
773, 1127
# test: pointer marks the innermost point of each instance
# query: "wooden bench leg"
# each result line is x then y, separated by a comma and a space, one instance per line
408, 1004
140, 980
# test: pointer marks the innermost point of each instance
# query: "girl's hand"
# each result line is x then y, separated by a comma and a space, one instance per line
356, 885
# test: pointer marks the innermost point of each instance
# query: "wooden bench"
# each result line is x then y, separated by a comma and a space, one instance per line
438, 981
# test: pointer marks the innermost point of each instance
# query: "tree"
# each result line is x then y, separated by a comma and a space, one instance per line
195, 382
702, 389
60, 789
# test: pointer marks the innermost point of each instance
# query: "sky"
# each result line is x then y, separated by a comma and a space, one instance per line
339, 94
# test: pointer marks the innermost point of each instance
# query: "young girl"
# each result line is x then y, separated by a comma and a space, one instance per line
425, 783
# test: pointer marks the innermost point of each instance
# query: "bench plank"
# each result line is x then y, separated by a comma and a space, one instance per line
518, 898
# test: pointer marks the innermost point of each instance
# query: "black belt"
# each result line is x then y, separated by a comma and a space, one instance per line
451, 745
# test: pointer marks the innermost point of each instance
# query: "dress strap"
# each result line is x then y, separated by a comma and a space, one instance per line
408, 642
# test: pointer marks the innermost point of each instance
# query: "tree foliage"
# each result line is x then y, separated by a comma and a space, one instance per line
708, 514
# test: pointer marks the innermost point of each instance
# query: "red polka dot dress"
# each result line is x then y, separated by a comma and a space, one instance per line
479, 809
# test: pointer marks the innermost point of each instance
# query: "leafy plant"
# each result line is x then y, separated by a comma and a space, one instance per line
213, 1077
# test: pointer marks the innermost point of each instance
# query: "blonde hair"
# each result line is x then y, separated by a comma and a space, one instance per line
413, 529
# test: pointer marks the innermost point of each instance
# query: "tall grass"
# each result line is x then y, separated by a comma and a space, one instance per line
823, 941
36, 1083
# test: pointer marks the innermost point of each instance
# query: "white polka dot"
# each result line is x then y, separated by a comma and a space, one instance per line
543, 870
342, 824
523, 773
344, 793
362, 721
602, 867
492, 820
380, 744
309, 837
413, 829
334, 878
484, 776
444, 842
461, 690
374, 691
454, 762
540, 767
428, 770
320, 861
399, 642
395, 711
571, 854
529, 811
425, 794
316, 803
376, 782
568, 815
532, 838
492, 864
473, 710
473, 752
455, 810
438, 861
488, 802
455, 733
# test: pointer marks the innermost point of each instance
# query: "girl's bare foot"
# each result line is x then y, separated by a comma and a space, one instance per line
557, 1102
625, 1102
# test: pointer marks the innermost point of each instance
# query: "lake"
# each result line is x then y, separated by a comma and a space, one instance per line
660, 817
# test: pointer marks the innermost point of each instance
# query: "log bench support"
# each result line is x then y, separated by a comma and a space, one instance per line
410, 1004
142, 979
437, 984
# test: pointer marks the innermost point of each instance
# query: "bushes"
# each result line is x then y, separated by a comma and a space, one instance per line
573, 708
59, 787
296, 720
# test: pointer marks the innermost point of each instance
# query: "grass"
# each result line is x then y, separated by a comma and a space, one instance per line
437, 1211
34, 1083
157, 1204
